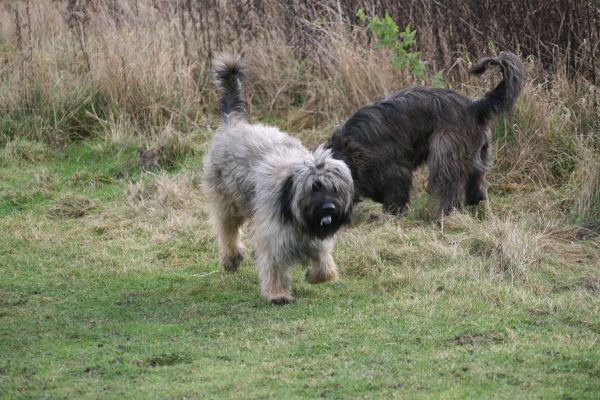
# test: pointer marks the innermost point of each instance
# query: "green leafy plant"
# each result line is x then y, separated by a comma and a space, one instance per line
437, 80
404, 56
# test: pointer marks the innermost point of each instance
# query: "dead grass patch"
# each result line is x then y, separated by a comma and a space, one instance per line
72, 206
23, 152
163, 194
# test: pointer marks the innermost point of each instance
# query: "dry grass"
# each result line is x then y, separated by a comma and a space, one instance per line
587, 198
20, 152
164, 194
113, 285
72, 206
136, 75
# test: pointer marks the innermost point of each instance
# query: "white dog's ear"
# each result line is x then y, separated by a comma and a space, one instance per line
286, 199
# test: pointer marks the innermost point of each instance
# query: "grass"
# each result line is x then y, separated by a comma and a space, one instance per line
111, 288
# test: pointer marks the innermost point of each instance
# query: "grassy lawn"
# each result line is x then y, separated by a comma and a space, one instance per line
110, 288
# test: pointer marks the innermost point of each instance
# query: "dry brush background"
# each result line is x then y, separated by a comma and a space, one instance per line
135, 71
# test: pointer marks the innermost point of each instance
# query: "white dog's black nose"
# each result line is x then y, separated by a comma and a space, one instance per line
329, 207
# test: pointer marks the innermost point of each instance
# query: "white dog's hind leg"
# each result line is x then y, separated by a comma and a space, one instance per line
228, 227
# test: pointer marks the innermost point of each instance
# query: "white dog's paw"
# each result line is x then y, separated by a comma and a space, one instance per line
316, 276
232, 261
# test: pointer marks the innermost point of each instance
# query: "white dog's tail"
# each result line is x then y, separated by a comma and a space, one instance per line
228, 75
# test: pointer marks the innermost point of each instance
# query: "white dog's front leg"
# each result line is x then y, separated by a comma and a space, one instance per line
322, 268
275, 278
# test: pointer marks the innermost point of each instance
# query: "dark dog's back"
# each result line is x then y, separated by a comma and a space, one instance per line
385, 141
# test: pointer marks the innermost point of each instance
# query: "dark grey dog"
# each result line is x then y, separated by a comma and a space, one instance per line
384, 142
293, 201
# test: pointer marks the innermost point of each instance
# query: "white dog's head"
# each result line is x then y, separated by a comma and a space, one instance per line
317, 195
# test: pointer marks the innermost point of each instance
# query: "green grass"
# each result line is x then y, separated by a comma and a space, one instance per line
110, 288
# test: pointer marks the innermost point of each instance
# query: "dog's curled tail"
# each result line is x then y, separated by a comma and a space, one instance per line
502, 99
228, 75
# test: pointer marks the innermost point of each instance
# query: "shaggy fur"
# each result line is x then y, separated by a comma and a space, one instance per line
384, 142
293, 200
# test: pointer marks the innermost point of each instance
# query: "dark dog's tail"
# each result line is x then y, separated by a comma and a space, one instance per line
228, 75
502, 99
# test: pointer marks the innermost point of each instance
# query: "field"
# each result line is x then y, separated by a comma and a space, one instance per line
110, 286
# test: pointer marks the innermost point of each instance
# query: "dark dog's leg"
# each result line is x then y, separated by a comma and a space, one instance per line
448, 198
398, 184
447, 185
475, 192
